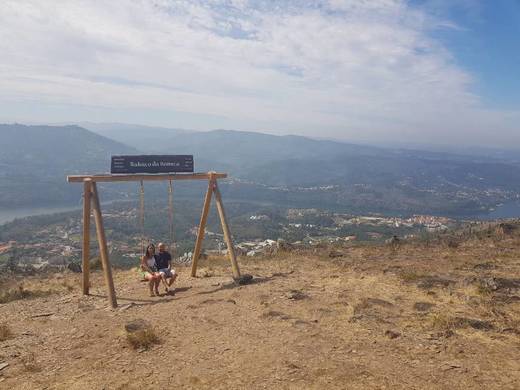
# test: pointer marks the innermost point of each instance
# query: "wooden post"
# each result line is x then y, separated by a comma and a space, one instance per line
202, 226
85, 264
227, 233
103, 251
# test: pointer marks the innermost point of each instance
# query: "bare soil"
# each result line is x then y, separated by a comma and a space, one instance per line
415, 317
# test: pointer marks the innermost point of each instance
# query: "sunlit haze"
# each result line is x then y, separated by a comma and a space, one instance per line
437, 71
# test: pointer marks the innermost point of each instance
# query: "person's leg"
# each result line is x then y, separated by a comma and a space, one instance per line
164, 279
151, 283
157, 280
172, 279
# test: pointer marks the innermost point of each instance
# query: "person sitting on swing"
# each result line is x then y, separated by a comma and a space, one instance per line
149, 270
164, 264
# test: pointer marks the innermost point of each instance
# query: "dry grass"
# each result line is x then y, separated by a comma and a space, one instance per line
411, 276
141, 335
484, 291
68, 285
30, 363
95, 264
5, 332
443, 322
22, 293
368, 319
142, 339
30, 288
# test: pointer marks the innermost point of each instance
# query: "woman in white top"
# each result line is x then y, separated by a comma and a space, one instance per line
149, 270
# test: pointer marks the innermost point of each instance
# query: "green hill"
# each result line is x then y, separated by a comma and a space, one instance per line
34, 161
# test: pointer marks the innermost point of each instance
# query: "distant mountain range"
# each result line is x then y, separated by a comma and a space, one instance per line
290, 171
34, 161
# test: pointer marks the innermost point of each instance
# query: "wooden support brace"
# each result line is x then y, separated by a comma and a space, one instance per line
202, 226
85, 264
226, 231
103, 251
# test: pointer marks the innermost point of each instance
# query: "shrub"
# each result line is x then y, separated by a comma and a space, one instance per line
30, 363
5, 332
443, 322
484, 290
142, 339
95, 264
140, 334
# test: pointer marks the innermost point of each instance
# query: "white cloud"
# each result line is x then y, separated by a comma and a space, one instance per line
353, 69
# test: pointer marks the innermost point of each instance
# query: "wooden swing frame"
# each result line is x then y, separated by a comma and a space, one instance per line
91, 203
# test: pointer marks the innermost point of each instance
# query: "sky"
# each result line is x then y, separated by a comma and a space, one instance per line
413, 72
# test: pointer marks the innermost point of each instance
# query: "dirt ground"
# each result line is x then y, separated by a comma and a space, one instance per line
414, 317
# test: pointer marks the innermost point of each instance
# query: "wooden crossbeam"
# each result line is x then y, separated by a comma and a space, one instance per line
145, 177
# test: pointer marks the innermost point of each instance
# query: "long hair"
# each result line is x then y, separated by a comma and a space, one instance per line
148, 250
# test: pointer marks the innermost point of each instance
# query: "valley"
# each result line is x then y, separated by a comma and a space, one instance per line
53, 242
287, 171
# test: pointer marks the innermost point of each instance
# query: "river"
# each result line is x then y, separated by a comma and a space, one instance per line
507, 210
9, 215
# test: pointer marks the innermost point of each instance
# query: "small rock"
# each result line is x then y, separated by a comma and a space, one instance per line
392, 334
451, 366
74, 267
283, 245
206, 273
3, 365
136, 325
334, 254
297, 295
244, 279
423, 306
489, 284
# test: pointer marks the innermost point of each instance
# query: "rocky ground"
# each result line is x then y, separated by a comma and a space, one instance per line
433, 315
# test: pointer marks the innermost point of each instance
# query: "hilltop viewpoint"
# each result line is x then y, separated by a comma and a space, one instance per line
435, 313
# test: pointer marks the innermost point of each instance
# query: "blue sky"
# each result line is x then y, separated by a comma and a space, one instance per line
418, 71
487, 45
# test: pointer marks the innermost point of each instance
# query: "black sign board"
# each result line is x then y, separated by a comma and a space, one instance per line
152, 164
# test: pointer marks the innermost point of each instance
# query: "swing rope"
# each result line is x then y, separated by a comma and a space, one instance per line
141, 218
170, 220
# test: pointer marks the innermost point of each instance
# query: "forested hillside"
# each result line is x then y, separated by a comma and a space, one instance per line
34, 162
